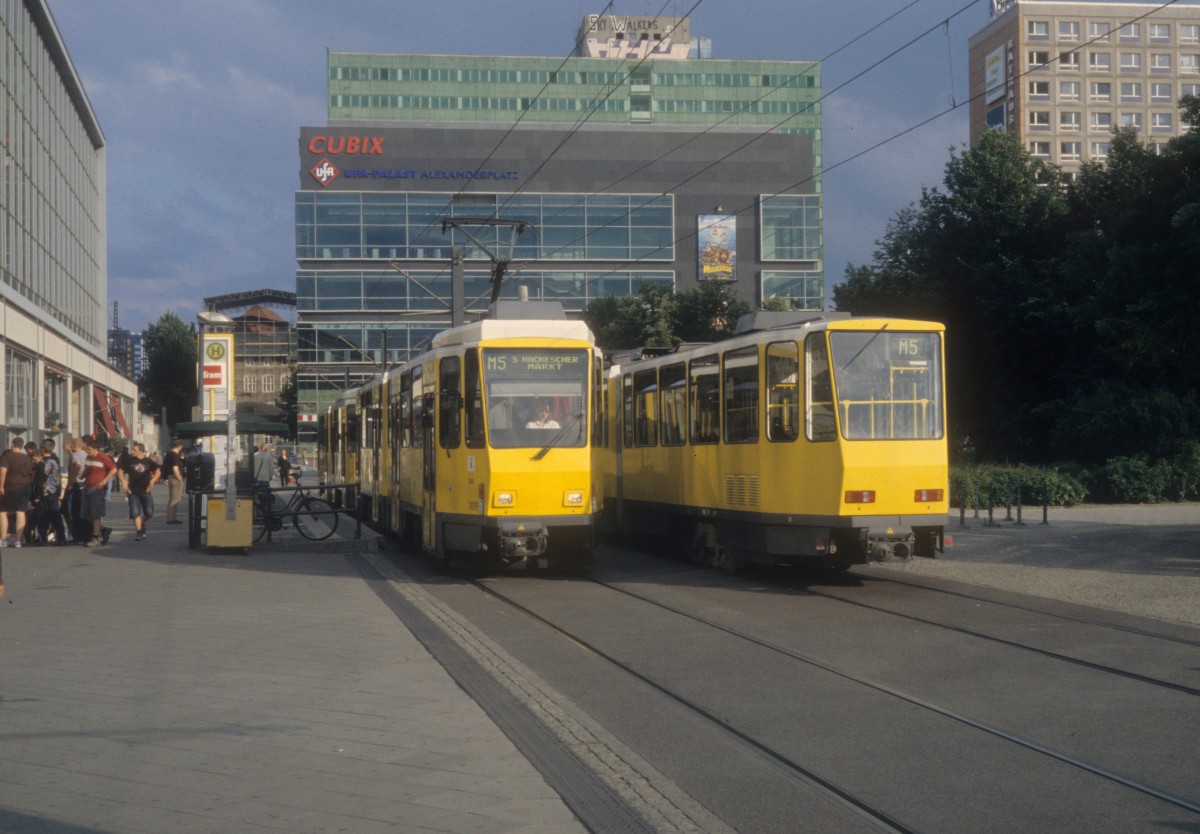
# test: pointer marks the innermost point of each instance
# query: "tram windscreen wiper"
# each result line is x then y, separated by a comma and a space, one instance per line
870, 342
575, 418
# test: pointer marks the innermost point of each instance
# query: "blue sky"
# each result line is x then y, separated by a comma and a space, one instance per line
201, 105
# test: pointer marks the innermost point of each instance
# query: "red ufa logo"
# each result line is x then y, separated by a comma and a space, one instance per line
324, 172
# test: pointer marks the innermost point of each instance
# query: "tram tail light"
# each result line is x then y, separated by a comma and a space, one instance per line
929, 496
860, 496
573, 498
504, 499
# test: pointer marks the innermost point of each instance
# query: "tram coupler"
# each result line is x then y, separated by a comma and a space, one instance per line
520, 540
894, 549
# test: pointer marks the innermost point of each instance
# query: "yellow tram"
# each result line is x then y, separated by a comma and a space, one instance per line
804, 438
480, 447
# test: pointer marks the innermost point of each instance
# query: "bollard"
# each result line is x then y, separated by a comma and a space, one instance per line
1045, 505
1020, 523
962, 514
1008, 507
977, 502
991, 522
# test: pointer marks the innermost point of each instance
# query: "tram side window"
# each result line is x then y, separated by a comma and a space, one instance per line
704, 399
449, 404
741, 395
673, 382
783, 395
819, 421
476, 438
627, 410
352, 429
599, 412
406, 411
645, 405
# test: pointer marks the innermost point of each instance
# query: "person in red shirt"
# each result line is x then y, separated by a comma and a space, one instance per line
98, 470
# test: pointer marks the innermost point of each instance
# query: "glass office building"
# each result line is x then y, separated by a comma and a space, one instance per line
628, 164
53, 274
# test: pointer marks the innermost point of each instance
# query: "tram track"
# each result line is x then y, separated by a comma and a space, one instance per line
1014, 644
991, 600
879, 686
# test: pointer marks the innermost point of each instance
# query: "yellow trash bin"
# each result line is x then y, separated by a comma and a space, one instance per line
223, 533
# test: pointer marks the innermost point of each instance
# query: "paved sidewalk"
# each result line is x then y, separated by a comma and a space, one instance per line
1137, 559
146, 687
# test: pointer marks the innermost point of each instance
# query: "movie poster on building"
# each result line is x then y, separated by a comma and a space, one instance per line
717, 242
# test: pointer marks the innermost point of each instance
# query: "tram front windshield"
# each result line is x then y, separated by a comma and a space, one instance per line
535, 397
889, 384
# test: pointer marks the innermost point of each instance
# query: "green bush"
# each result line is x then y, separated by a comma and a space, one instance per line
1185, 473
998, 484
1134, 480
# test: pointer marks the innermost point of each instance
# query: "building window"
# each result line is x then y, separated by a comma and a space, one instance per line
1068, 30
1162, 122
249, 383
1068, 61
1069, 90
1189, 89
1189, 64
1069, 120
268, 384
1038, 58
1070, 151
1039, 89
18, 390
1039, 29
1099, 150
799, 289
1160, 62
1160, 32
1131, 91
1039, 149
1189, 32
1100, 91
1100, 122
1131, 32
1131, 62
1039, 120
1099, 61
1160, 92
790, 226
1133, 120
1098, 30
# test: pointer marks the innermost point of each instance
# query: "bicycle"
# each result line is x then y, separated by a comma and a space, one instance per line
313, 516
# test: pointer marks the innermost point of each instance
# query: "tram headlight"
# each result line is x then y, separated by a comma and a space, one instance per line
573, 498
504, 499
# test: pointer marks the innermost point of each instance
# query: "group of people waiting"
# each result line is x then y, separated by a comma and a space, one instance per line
65, 502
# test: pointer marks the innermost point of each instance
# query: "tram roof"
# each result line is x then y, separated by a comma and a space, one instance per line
517, 319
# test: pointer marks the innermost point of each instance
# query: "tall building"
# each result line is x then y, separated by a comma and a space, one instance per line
1064, 75
628, 163
53, 275
264, 347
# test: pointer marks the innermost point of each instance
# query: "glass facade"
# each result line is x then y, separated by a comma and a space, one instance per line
52, 182
388, 87
389, 226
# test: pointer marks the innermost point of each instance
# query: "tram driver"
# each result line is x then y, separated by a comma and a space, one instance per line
543, 420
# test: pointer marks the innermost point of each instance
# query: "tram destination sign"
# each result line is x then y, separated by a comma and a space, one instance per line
531, 363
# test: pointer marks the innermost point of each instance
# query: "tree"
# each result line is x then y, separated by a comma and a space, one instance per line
656, 317
169, 380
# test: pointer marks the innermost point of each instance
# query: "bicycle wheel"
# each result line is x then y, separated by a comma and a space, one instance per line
258, 525
316, 519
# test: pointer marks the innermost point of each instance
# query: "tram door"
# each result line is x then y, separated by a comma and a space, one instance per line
428, 474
